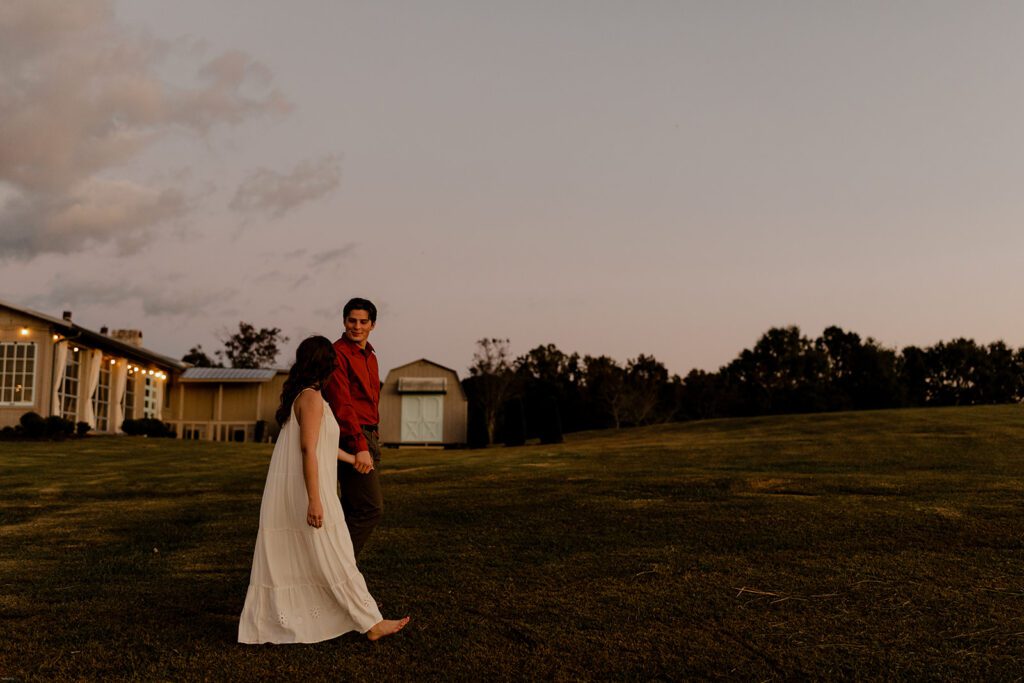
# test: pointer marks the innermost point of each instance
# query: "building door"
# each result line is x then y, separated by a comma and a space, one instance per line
422, 417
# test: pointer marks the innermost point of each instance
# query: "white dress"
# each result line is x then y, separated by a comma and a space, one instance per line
304, 586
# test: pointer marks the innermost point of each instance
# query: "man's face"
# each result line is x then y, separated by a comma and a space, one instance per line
358, 326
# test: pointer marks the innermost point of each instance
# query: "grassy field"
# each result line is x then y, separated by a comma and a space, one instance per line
858, 546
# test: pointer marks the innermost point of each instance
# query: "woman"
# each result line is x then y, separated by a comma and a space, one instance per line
304, 586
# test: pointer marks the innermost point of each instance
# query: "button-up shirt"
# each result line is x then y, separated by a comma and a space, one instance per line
353, 392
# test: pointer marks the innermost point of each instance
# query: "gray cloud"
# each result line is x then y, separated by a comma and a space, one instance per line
156, 299
266, 191
332, 255
81, 96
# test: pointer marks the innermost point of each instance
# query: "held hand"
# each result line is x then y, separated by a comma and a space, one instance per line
345, 456
315, 514
364, 463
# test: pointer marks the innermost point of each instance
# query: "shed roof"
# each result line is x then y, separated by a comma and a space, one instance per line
228, 375
391, 381
423, 360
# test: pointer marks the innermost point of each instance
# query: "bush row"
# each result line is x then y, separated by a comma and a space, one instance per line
34, 427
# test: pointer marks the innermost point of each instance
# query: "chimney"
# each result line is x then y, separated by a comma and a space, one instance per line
133, 337
104, 330
67, 315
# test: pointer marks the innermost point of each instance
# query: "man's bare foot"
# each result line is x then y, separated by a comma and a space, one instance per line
386, 627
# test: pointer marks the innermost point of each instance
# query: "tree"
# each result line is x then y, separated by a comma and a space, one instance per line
913, 376
700, 395
198, 358
549, 382
252, 348
604, 382
859, 375
783, 373
954, 371
646, 383
491, 380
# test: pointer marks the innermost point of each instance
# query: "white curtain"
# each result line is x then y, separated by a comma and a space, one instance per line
118, 377
60, 359
158, 387
91, 374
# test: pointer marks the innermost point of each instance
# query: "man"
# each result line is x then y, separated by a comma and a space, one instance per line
353, 392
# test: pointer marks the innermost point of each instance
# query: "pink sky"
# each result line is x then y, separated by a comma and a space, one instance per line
669, 178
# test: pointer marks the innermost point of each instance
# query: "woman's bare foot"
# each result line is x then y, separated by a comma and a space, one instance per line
386, 627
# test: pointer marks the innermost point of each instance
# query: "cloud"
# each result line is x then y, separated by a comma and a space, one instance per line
156, 300
81, 96
266, 191
332, 255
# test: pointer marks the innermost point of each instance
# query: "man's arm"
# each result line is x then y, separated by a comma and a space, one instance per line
336, 391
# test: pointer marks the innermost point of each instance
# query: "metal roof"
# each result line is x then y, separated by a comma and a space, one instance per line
424, 360
228, 375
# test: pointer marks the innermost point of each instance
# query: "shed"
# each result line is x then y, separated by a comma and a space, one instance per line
423, 403
227, 404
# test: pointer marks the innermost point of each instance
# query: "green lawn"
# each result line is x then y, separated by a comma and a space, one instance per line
856, 545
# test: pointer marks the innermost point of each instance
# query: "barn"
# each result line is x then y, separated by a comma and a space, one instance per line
422, 403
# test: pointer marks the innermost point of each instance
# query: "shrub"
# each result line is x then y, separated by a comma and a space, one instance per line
148, 426
82, 428
57, 428
32, 425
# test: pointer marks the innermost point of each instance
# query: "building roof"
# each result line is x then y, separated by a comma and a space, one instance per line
228, 375
73, 331
423, 360
394, 382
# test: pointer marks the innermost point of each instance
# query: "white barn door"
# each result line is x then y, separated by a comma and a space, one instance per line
422, 418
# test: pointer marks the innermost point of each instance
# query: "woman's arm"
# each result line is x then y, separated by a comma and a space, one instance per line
345, 456
309, 411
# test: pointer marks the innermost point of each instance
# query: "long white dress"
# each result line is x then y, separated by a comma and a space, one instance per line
304, 586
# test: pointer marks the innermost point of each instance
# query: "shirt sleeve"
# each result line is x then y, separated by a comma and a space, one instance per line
336, 391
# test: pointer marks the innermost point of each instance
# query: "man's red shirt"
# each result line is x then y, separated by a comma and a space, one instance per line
353, 391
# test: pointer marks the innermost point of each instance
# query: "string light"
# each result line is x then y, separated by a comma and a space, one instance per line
75, 349
56, 337
24, 332
113, 362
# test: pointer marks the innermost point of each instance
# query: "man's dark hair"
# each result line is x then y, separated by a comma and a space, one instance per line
358, 304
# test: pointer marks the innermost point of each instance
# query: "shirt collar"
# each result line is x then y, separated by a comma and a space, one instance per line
368, 350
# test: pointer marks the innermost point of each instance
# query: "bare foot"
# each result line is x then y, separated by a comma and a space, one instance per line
386, 627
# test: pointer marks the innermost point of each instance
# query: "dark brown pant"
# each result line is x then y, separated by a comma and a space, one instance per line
361, 497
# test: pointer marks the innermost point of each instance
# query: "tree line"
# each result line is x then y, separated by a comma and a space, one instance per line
546, 392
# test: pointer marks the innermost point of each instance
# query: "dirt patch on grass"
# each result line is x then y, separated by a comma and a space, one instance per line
943, 511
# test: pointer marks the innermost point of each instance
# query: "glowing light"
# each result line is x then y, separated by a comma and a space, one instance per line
56, 337
24, 332
113, 362
75, 349
151, 372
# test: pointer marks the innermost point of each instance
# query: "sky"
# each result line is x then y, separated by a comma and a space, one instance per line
666, 178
